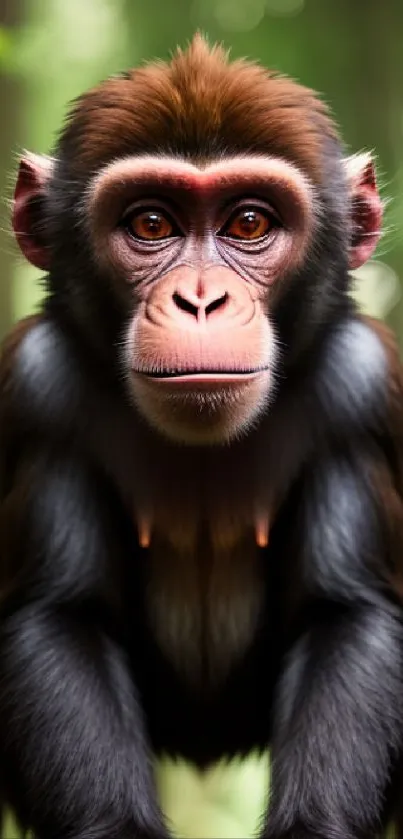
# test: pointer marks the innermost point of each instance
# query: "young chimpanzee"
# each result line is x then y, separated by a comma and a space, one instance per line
201, 463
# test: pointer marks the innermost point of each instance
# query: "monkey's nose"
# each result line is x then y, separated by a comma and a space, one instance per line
200, 308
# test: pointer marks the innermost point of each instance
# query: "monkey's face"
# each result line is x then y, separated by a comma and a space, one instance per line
201, 253
203, 204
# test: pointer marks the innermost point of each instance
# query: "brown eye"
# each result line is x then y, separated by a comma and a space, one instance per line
150, 224
248, 223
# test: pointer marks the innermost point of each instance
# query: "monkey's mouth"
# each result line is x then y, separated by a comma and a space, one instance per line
203, 377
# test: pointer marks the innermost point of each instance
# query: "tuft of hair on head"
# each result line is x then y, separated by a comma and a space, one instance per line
199, 105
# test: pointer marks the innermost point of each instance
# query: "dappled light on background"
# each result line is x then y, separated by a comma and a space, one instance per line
376, 288
92, 23
93, 35
234, 17
240, 17
284, 8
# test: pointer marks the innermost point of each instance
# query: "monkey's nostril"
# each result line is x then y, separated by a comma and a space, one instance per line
216, 304
185, 305
203, 310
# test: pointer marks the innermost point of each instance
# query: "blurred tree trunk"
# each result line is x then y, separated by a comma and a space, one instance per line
11, 13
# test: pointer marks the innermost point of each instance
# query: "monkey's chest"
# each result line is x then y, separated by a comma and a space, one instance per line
204, 604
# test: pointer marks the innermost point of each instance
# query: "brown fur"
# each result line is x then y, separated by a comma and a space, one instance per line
201, 102
204, 572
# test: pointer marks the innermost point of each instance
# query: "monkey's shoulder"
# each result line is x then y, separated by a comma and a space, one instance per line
360, 379
38, 375
10, 347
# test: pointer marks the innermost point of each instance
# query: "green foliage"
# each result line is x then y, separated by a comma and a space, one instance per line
6, 48
227, 801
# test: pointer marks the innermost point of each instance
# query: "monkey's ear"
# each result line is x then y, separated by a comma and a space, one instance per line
366, 208
28, 208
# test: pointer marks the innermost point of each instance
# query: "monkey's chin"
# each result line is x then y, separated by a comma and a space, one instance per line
202, 409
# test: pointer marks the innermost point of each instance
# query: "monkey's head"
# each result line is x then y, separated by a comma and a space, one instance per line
197, 222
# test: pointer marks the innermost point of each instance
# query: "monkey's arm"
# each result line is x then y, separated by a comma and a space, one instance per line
338, 725
72, 734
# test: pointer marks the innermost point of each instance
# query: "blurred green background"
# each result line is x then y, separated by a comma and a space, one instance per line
349, 50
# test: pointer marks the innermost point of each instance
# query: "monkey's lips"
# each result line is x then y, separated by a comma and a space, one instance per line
201, 406
193, 379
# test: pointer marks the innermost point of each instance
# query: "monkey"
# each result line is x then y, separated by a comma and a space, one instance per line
201, 462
